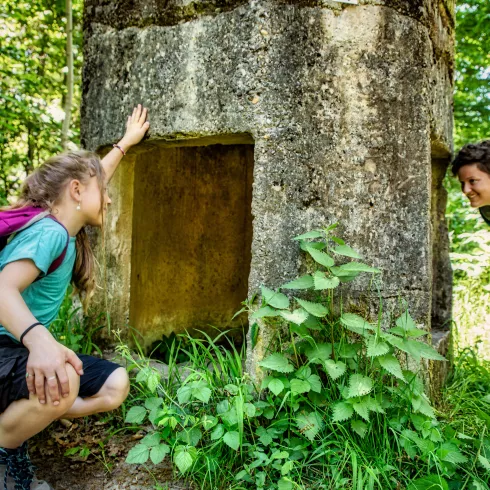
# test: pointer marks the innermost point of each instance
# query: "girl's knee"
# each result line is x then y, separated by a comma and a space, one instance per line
116, 389
65, 403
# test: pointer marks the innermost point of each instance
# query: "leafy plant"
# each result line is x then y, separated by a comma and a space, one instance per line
337, 407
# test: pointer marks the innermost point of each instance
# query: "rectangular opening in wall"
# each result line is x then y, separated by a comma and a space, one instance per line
192, 236
441, 266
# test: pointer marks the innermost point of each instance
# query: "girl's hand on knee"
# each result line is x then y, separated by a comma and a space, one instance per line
46, 364
136, 127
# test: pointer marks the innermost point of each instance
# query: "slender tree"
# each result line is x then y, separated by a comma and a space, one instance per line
69, 75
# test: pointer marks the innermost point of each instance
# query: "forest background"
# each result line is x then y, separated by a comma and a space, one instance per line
40, 84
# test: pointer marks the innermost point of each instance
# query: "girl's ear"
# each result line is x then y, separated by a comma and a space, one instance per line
75, 188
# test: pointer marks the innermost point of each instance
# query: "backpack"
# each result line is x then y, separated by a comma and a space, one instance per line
14, 220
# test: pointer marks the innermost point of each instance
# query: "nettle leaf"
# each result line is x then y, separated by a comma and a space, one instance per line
184, 457
420, 404
158, 453
342, 411
304, 245
355, 323
136, 415
300, 330
298, 316
315, 309
414, 332
265, 311
342, 274
323, 282
352, 267
392, 365
300, 386
309, 424
318, 353
274, 298
276, 386
315, 383
484, 462
303, 282
359, 427
450, 453
431, 482
277, 362
232, 439
346, 251
321, 257
415, 348
139, 454
335, 369
359, 385
361, 407
310, 234
405, 322
313, 323
376, 348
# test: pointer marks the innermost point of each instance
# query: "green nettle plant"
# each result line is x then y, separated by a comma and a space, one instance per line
335, 409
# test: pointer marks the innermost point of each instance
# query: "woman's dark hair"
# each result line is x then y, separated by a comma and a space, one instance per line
473, 153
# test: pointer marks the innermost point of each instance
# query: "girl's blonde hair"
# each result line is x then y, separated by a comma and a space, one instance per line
44, 188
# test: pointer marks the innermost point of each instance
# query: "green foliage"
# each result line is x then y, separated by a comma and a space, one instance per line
335, 408
472, 91
32, 85
72, 329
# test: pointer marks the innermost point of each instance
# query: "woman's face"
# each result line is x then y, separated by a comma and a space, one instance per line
475, 184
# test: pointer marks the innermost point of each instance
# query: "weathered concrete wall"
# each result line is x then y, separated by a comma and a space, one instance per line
347, 107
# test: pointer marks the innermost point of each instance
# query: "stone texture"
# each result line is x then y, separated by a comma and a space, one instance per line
348, 108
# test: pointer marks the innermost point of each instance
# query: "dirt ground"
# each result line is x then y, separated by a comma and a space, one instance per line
104, 467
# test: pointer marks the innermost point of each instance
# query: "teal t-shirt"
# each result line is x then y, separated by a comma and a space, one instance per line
42, 242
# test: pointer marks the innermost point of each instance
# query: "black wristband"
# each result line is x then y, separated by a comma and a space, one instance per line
27, 330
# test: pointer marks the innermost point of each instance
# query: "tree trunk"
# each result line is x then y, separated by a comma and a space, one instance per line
69, 77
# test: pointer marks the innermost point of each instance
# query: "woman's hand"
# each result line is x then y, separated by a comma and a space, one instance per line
47, 364
136, 127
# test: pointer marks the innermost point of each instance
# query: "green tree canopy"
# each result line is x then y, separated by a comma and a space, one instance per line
472, 91
32, 85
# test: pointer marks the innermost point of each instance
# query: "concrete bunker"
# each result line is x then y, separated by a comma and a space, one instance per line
349, 107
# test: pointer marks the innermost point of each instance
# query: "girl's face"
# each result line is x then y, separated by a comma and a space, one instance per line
475, 184
90, 203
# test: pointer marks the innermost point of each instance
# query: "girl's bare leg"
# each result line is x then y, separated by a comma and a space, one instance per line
113, 392
25, 418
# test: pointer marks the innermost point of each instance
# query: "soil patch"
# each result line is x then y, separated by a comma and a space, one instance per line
99, 459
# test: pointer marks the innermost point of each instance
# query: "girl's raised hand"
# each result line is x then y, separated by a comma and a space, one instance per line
136, 126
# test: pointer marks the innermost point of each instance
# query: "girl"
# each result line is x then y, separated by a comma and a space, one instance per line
472, 166
40, 379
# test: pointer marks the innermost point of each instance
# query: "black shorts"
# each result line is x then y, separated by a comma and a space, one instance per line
13, 361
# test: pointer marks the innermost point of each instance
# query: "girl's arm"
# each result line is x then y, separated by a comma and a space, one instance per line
136, 127
47, 357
